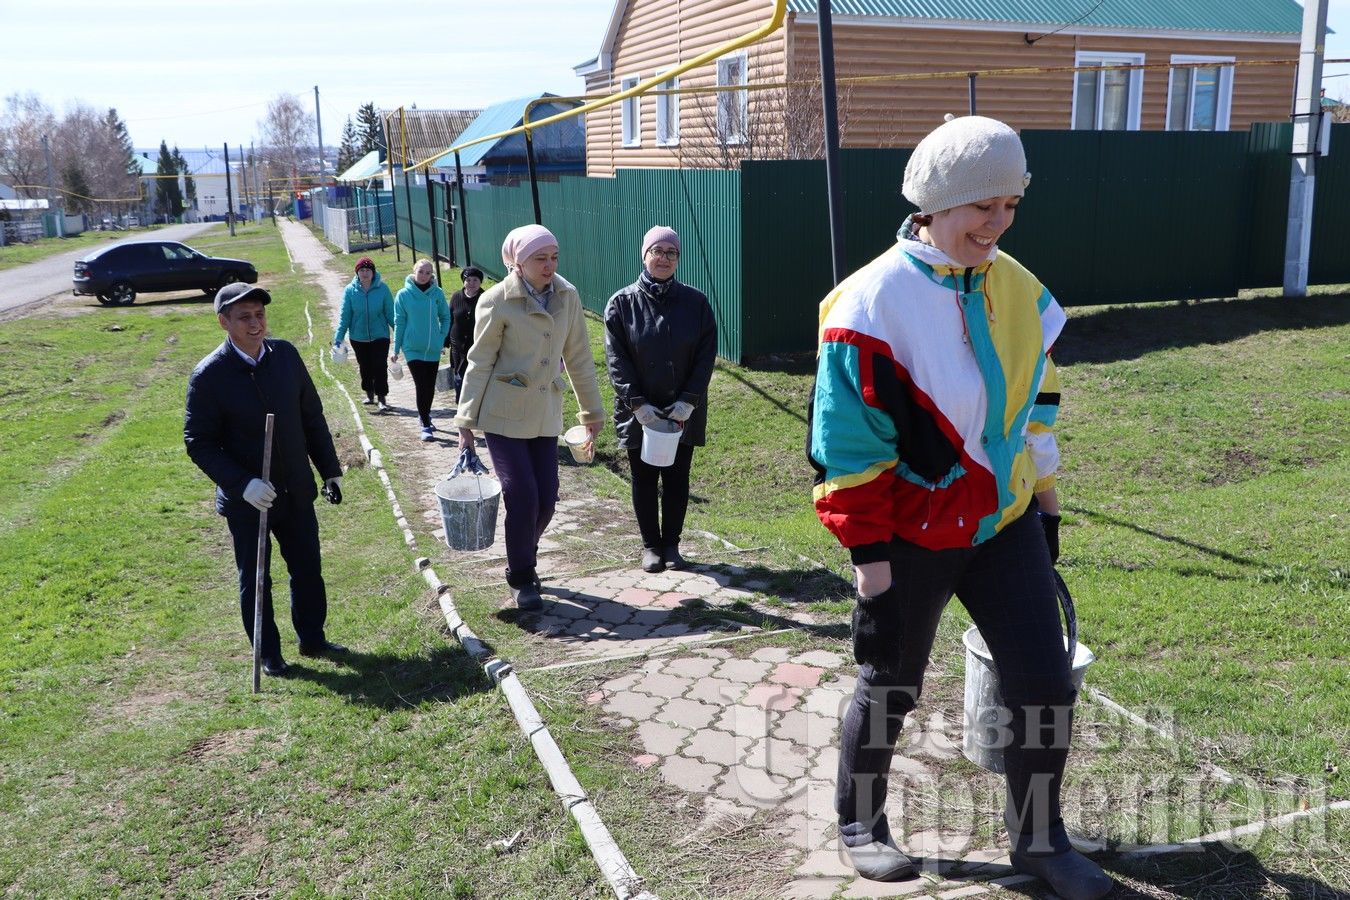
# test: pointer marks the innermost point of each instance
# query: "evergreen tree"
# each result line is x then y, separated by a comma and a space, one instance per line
347, 151
370, 131
168, 196
122, 139
77, 188
189, 185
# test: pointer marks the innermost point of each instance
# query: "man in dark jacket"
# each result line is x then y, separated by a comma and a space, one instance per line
229, 396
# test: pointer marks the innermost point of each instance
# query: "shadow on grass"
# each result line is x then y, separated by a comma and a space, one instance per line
390, 681
1213, 870
1128, 332
196, 298
1169, 538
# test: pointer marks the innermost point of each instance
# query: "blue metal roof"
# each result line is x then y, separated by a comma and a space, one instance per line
364, 168
1257, 16
499, 117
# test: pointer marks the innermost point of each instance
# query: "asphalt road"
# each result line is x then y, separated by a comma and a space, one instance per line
29, 285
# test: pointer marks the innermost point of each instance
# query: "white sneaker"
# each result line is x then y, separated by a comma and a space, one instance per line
428, 434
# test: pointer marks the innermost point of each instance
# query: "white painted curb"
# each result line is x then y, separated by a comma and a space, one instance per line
623, 879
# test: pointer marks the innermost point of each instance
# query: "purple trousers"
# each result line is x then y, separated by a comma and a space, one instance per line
528, 471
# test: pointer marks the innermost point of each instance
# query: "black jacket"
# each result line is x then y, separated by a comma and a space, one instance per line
461, 320
660, 350
227, 405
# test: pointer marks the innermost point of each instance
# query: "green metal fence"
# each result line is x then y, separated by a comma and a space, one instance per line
1110, 217
599, 223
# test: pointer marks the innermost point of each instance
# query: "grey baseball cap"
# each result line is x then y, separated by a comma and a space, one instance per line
233, 293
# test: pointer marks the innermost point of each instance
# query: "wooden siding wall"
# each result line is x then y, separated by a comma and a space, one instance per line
900, 113
656, 35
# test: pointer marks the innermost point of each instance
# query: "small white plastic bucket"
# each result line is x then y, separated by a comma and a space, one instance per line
986, 718
578, 440
469, 510
660, 441
396, 371
338, 354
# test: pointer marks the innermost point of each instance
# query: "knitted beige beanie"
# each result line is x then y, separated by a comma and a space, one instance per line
963, 160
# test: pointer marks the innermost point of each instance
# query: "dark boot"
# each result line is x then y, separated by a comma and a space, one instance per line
673, 559
1070, 874
873, 852
652, 561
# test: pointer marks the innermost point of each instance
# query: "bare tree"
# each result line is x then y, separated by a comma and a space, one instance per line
287, 137
24, 120
781, 122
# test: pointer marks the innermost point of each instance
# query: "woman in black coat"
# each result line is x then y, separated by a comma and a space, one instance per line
660, 344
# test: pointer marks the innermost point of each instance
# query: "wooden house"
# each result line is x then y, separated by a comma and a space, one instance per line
1244, 50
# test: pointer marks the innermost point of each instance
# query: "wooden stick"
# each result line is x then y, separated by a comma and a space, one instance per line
262, 561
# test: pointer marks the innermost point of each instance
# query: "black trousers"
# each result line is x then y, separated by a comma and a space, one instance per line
1006, 585
424, 383
372, 357
661, 523
528, 471
459, 362
296, 529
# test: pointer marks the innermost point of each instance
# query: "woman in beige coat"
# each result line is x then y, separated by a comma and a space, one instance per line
527, 329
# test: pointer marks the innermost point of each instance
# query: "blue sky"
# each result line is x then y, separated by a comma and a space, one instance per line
199, 73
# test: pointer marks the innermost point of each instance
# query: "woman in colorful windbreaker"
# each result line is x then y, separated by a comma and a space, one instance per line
931, 438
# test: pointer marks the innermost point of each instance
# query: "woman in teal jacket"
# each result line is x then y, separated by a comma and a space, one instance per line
421, 322
367, 316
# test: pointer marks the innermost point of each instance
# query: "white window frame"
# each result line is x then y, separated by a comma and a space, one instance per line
668, 114
630, 115
1111, 58
726, 98
1223, 114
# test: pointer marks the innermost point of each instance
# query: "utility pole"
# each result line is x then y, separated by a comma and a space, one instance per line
1307, 128
834, 189
253, 158
229, 192
58, 217
243, 180
318, 124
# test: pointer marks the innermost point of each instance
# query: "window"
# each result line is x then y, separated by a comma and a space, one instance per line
668, 114
1200, 98
1108, 100
628, 114
732, 106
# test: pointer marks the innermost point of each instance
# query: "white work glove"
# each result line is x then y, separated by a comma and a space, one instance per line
872, 578
680, 411
646, 414
260, 494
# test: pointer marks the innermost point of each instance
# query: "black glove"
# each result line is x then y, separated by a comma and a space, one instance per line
332, 490
1051, 525
877, 628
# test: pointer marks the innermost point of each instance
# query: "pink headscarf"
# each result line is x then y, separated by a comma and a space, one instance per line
521, 242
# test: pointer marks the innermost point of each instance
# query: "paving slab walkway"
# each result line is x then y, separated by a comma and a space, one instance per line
746, 732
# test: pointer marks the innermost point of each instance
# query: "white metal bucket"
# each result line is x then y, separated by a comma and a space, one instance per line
577, 438
986, 718
469, 510
660, 442
338, 354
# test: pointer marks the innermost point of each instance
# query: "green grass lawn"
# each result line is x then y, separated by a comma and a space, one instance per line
133, 759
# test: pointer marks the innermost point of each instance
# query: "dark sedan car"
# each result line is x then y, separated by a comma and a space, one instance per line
118, 273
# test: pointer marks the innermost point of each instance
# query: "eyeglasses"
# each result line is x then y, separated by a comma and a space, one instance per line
671, 255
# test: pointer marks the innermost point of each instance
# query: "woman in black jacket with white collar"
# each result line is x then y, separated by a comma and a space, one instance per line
660, 345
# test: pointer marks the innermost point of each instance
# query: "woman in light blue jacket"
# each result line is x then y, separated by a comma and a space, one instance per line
367, 316
421, 322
